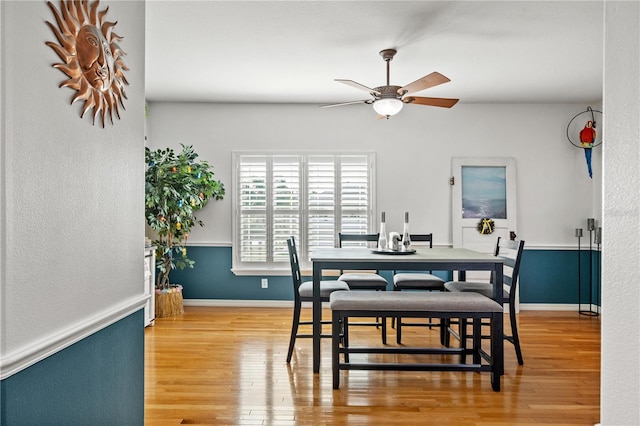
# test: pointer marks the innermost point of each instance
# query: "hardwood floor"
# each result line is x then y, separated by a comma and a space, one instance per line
226, 365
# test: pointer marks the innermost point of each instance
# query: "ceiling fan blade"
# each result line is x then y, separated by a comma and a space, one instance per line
431, 80
358, 86
439, 102
366, 101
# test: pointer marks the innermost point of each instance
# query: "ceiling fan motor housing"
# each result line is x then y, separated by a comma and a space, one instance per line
388, 92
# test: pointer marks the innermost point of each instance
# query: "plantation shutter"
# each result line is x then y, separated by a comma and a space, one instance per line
354, 192
312, 197
321, 228
252, 184
287, 211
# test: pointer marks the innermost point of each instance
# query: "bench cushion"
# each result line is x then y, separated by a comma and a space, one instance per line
412, 301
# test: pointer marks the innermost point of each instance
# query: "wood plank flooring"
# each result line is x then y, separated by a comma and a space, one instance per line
226, 366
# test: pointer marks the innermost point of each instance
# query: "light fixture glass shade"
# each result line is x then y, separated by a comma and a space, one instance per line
388, 106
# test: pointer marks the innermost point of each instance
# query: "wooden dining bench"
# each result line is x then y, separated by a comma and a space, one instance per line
348, 304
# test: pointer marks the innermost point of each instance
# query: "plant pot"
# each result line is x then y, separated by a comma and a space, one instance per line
169, 301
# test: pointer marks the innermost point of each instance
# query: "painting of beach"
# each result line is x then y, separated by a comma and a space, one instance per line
484, 192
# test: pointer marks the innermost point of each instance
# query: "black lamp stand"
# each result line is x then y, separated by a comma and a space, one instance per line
591, 227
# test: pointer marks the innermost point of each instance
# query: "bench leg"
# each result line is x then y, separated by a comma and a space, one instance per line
443, 332
446, 324
462, 331
335, 347
345, 337
384, 330
497, 349
477, 339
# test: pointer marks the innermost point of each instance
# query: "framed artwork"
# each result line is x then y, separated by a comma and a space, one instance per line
484, 192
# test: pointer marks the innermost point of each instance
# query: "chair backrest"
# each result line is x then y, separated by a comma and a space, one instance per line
366, 238
511, 252
420, 238
371, 240
427, 238
295, 266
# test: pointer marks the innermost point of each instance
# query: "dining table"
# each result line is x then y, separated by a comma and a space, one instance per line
416, 259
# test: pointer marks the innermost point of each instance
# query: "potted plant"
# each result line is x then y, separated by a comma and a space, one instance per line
177, 185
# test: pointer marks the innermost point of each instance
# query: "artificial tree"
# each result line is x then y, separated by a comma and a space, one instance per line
177, 185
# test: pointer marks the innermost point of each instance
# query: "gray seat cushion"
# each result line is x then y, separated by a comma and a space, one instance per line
486, 289
413, 280
326, 288
399, 301
363, 279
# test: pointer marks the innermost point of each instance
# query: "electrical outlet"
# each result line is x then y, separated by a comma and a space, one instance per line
265, 283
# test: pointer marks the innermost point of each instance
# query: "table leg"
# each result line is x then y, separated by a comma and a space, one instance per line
335, 347
317, 317
498, 342
497, 350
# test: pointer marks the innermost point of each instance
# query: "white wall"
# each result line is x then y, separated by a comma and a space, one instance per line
71, 239
414, 151
620, 388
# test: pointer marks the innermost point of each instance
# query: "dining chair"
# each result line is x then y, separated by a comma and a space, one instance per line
364, 280
421, 280
511, 251
303, 292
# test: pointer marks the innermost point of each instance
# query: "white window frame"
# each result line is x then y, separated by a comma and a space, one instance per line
282, 267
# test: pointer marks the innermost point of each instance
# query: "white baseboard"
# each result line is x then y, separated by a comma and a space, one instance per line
555, 307
239, 303
548, 307
289, 304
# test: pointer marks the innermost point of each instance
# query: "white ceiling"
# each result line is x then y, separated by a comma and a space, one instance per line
291, 51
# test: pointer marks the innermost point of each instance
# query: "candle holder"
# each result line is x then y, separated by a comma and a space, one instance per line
597, 239
591, 227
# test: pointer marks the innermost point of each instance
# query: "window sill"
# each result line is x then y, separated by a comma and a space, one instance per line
277, 272
262, 271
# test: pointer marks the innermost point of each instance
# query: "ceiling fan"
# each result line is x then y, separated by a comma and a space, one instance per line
388, 100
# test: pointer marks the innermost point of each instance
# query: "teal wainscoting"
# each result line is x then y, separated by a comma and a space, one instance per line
546, 277
96, 381
211, 278
551, 276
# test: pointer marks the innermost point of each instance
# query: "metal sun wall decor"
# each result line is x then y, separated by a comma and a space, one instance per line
92, 58
582, 133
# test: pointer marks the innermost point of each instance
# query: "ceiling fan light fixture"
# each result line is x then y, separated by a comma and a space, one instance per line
388, 106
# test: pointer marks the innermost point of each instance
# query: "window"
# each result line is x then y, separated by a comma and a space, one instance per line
309, 196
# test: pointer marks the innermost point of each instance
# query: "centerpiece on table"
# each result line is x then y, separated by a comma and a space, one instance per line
176, 186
